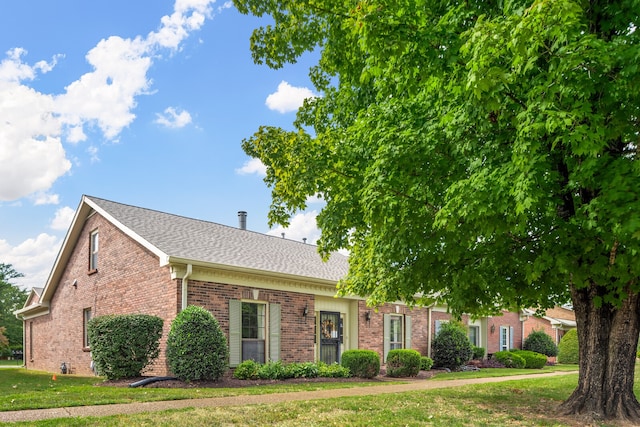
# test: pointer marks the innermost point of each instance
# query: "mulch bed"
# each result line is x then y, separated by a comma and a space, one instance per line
228, 381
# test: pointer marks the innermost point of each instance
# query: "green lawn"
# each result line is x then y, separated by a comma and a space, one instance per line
24, 389
529, 402
10, 362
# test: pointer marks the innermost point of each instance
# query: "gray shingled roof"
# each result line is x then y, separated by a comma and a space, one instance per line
208, 242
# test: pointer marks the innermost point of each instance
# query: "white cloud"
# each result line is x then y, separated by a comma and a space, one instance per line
173, 119
45, 199
63, 218
302, 225
288, 98
252, 166
34, 125
93, 154
33, 258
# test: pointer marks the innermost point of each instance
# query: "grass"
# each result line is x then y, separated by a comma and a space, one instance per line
23, 389
501, 372
519, 403
16, 363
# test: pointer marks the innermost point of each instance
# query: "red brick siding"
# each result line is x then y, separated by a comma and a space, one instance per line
128, 280
507, 319
370, 333
296, 331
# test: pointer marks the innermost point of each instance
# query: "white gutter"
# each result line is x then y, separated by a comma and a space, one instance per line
185, 285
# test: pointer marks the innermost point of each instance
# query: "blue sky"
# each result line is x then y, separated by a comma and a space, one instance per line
144, 103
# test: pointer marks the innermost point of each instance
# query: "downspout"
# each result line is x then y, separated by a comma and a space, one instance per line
185, 285
429, 332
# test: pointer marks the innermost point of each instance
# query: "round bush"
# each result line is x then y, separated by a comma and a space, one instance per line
568, 348
123, 346
451, 347
426, 363
247, 370
532, 360
361, 363
196, 346
510, 360
403, 363
540, 342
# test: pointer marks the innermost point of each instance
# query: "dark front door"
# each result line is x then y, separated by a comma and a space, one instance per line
330, 331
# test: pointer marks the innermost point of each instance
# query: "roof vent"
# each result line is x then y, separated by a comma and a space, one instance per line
304, 240
242, 220
282, 234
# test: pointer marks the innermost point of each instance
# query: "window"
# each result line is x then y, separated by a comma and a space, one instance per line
93, 251
474, 335
253, 331
395, 332
439, 324
506, 338
86, 316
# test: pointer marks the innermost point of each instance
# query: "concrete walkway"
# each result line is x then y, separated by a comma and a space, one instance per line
272, 398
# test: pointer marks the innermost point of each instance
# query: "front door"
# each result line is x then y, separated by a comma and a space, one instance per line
330, 337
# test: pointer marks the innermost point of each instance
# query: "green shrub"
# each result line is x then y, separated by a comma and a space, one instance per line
196, 346
426, 363
247, 370
403, 363
361, 363
532, 360
301, 370
509, 359
272, 371
451, 347
123, 346
540, 342
478, 352
568, 348
334, 370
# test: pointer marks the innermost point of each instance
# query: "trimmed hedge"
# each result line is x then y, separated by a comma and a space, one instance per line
403, 363
568, 348
251, 370
123, 346
532, 359
540, 342
451, 347
509, 359
361, 363
196, 347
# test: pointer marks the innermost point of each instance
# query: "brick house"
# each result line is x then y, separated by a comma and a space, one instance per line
555, 322
273, 297
493, 333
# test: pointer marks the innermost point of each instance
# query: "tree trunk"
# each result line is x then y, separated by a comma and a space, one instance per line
607, 336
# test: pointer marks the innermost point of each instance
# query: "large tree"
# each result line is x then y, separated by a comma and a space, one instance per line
11, 298
485, 153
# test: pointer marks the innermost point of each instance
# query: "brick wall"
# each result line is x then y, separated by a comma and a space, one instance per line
296, 330
370, 333
507, 319
128, 280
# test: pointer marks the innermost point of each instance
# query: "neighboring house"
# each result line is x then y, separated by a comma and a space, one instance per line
493, 333
555, 322
274, 298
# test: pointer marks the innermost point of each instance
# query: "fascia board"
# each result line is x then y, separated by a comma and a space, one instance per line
225, 267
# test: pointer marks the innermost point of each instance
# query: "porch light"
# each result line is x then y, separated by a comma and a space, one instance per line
367, 315
305, 311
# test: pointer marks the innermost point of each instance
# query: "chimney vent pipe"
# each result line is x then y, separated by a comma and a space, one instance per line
242, 220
